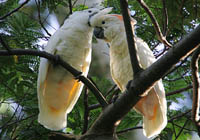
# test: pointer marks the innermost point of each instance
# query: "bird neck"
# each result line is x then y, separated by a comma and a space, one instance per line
118, 45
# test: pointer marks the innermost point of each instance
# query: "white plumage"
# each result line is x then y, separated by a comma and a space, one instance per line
58, 91
153, 106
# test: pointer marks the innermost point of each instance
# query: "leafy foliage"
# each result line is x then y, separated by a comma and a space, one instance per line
18, 74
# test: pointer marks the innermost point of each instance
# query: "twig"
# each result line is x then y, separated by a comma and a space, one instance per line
155, 23
39, 17
178, 91
164, 50
15, 122
15, 10
179, 116
129, 129
173, 128
196, 89
182, 129
176, 67
64, 64
94, 106
75, 1
115, 93
13, 137
166, 18
86, 111
130, 37
110, 90
70, 6
181, 77
4, 44
10, 119
90, 78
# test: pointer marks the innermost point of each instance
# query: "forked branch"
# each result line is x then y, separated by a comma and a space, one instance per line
155, 23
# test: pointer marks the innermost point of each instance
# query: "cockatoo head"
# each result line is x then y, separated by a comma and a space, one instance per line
107, 26
82, 17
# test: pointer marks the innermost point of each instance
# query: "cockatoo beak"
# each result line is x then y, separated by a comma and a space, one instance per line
99, 33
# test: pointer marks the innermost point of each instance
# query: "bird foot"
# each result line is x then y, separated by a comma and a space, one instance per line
56, 60
78, 77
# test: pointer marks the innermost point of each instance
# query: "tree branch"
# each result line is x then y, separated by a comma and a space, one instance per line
39, 17
70, 6
173, 128
181, 129
196, 89
130, 37
58, 60
184, 128
178, 91
4, 44
166, 18
110, 90
15, 10
155, 23
61, 136
95, 106
163, 51
176, 67
129, 129
179, 116
86, 111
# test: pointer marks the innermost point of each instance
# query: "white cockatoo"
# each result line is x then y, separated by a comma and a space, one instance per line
153, 107
58, 90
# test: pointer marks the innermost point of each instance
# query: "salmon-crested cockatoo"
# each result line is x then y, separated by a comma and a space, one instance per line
58, 90
153, 107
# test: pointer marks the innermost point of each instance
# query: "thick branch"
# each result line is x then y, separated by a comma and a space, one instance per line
196, 89
15, 10
155, 23
130, 38
144, 81
72, 70
61, 136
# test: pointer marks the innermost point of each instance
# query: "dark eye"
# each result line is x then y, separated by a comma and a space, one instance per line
89, 11
103, 22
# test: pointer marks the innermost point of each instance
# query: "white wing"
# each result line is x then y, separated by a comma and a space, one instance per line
153, 106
